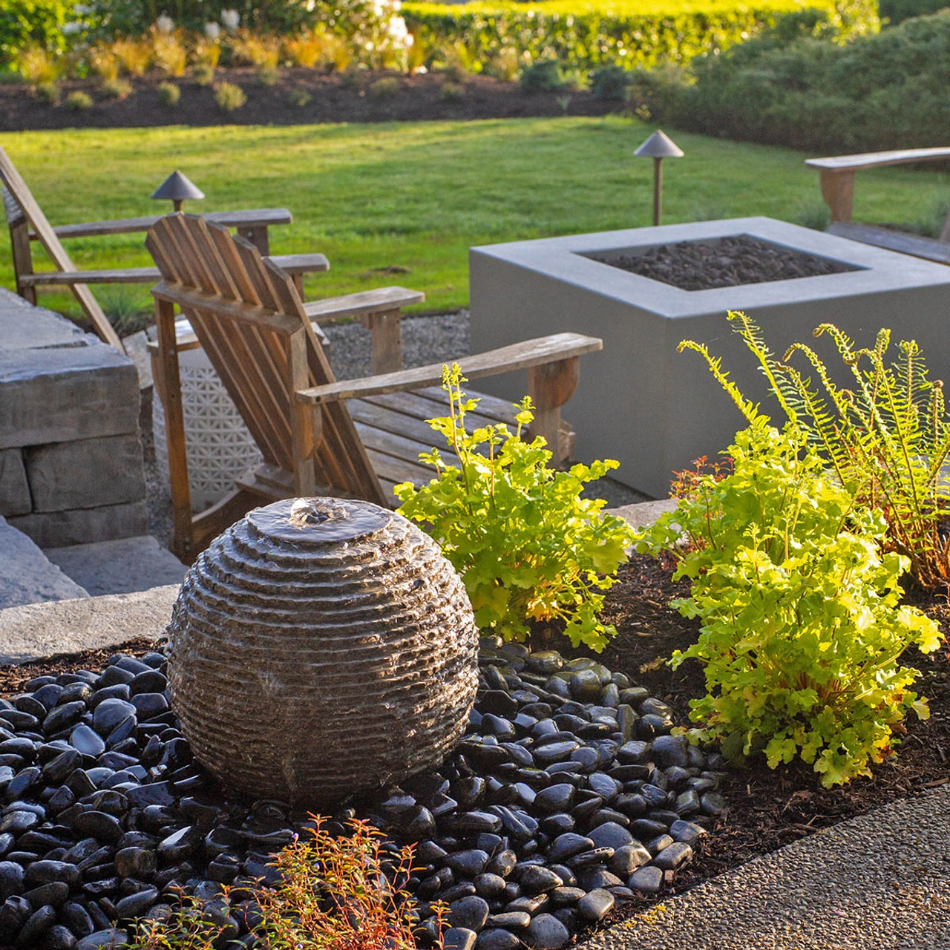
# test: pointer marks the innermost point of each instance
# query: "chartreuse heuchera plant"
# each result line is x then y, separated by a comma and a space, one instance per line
528, 546
802, 625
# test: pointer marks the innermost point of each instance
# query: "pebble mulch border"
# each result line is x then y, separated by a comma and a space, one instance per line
567, 795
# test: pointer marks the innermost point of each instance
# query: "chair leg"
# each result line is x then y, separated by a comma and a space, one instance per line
550, 386
168, 383
386, 332
22, 258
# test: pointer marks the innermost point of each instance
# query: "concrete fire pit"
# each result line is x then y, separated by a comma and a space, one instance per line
647, 406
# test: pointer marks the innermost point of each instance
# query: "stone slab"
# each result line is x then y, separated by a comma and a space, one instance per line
27, 576
119, 567
14, 488
643, 514
53, 529
25, 327
641, 402
87, 473
38, 631
62, 394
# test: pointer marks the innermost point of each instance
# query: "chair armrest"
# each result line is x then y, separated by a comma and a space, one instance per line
263, 217
356, 305
126, 275
547, 349
300, 263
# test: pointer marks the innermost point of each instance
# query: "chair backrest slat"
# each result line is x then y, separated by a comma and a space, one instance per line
245, 312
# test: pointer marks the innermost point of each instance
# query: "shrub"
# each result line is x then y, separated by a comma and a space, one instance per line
229, 96
255, 50
543, 76
308, 49
801, 622
117, 88
344, 892
103, 61
268, 75
78, 101
134, 55
610, 82
299, 98
878, 92
528, 547
38, 67
168, 93
384, 88
593, 33
203, 74
168, 52
48, 92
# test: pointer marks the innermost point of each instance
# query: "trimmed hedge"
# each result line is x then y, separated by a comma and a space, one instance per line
585, 34
879, 92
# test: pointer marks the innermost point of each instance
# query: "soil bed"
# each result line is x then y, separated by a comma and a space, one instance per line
727, 262
356, 97
766, 809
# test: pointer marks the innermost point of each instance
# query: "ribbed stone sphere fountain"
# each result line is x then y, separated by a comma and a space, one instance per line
319, 647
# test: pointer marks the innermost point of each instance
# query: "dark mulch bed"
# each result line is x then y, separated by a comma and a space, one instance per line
333, 98
726, 262
766, 809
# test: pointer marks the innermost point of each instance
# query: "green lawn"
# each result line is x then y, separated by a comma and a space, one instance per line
418, 195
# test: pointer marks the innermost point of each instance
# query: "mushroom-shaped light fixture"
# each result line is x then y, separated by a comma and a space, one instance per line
658, 146
177, 188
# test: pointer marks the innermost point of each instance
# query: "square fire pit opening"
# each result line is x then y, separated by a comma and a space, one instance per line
720, 262
641, 402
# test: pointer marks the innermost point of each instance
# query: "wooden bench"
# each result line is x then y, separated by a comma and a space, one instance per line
837, 188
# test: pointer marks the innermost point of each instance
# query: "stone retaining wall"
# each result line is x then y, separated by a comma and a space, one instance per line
70, 456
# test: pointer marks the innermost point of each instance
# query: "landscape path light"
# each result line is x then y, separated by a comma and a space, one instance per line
177, 188
658, 146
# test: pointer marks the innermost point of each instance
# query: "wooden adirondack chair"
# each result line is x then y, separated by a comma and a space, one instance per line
356, 438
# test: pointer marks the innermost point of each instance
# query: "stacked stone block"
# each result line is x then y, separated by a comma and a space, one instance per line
70, 455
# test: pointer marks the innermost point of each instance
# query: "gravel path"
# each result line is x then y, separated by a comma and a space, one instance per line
877, 882
425, 340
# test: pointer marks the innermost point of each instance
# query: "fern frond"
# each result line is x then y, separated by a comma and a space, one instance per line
750, 411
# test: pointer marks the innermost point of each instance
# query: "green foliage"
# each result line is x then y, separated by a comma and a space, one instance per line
528, 547
385, 88
451, 91
168, 93
48, 92
587, 34
802, 626
335, 893
117, 88
610, 82
229, 96
545, 75
78, 101
887, 437
27, 22
299, 98
878, 92
896, 11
